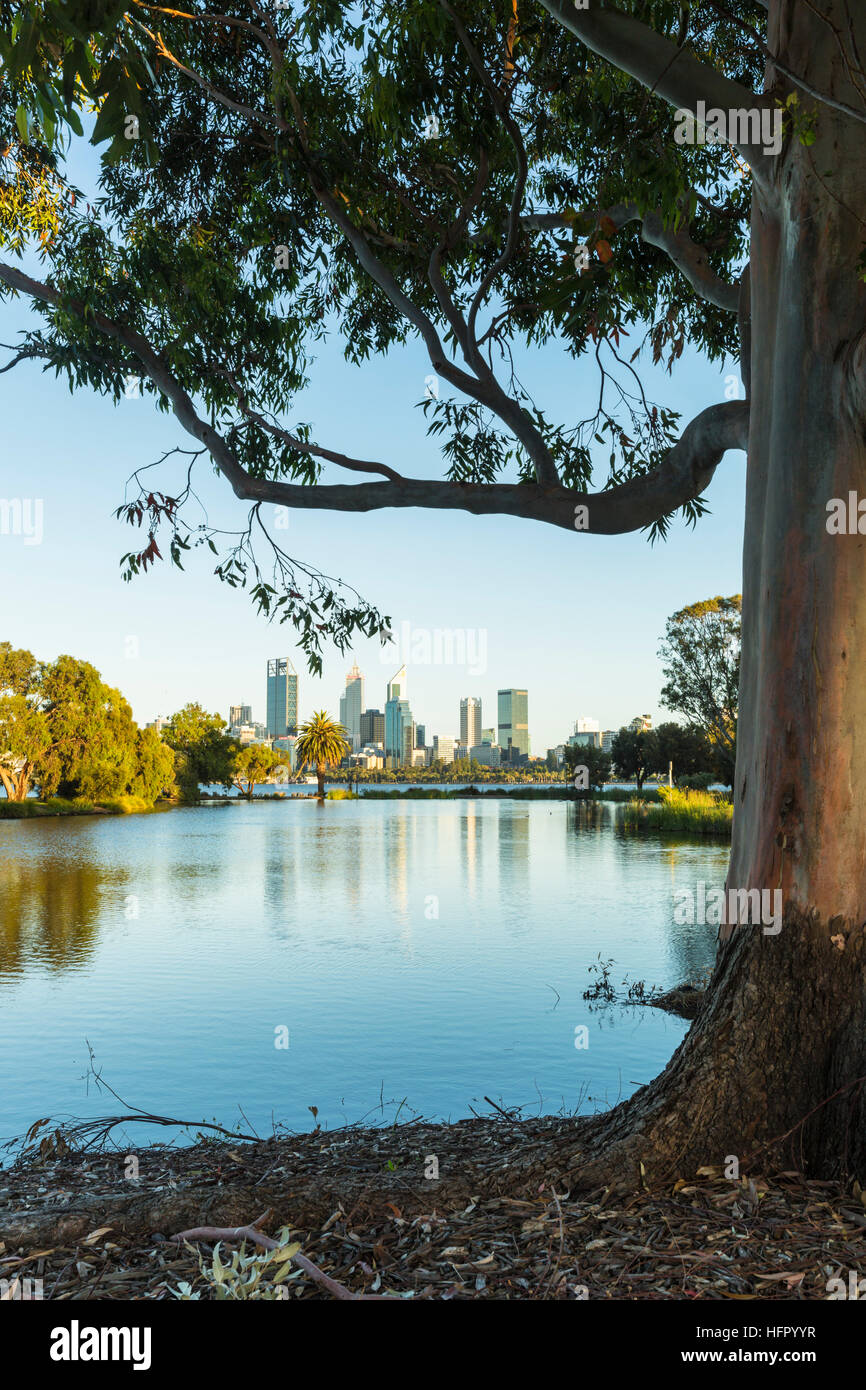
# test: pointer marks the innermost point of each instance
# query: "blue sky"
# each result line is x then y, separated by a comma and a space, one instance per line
576, 619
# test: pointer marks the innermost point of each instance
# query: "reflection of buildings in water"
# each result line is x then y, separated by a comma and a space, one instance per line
50, 910
401, 828
472, 834
513, 835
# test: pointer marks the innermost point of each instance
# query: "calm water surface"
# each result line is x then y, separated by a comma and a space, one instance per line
426, 952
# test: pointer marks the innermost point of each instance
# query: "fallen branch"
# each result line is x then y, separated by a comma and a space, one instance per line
234, 1233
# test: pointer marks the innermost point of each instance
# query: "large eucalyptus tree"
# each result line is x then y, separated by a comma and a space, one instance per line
489, 177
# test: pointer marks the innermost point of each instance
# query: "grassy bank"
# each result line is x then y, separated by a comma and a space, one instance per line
701, 813
512, 792
58, 806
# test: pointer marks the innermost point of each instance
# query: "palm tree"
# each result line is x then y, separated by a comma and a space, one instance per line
322, 744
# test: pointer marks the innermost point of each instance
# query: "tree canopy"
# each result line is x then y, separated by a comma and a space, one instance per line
701, 657
468, 176
62, 729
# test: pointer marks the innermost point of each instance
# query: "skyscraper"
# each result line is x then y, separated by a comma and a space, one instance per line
351, 707
397, 685
398, 716
372, 727
282, 703
398, 731
513, 720
470, 721
240, 714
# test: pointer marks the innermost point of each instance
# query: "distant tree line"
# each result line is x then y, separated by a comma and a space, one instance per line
64, 732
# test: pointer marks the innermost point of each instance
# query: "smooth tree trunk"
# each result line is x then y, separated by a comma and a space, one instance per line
320, 774
773, 1070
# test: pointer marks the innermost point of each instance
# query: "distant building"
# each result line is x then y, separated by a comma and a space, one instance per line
159, 723
282, 702
607, 738
513, 720
370, 758
421, 736
418, 757
487, 754
351, 706
556, 756
288, 744
587, 738
396, 689
488, 735
470, 721
443, 748
372, 727
240, 714
641, 724
251, 733
398, 731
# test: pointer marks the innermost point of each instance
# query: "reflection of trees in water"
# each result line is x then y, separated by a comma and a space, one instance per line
587, 816
49, 912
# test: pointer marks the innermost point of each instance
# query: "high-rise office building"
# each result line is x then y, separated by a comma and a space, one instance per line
240, 714
351, 707
398, 731
372, 727
421, 736
470, 721
512, 717
397, 685
488, 736
443, 748
282, 702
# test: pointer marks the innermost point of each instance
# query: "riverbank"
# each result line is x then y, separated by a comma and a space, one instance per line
502, 1220
58, 806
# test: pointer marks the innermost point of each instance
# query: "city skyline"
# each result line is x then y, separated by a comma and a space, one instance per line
399, 734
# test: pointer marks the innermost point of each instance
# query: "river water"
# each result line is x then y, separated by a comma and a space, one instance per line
365, 959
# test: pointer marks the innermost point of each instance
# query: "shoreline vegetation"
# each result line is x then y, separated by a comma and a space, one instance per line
701, 813
33, 809
658, 809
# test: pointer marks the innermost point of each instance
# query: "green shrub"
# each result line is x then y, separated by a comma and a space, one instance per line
701, 813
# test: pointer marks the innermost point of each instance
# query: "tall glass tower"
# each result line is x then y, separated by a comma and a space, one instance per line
513, 720
352, 706
282, 703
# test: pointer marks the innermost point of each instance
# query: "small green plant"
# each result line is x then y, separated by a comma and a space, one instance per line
601, 987
259, 1275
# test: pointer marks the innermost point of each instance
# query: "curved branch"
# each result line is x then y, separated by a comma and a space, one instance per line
692, 259
687, 255
684, 473
679, 78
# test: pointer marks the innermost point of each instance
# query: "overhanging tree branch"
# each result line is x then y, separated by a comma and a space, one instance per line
687, 255
683, 475
658, 64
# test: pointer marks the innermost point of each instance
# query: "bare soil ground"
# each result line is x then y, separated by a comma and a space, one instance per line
501, 1221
